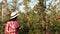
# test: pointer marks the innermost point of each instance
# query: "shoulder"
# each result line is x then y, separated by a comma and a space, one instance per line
8, 22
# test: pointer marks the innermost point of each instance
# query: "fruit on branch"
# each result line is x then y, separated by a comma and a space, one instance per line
44, 27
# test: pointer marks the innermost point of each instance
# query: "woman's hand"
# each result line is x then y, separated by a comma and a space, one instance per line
21, 27
12, 31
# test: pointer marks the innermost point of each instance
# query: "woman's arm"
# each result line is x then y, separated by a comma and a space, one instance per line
7, 29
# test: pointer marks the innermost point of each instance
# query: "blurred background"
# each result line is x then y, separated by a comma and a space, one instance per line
37, 16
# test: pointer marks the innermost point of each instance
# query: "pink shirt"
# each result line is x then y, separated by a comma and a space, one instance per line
11, 25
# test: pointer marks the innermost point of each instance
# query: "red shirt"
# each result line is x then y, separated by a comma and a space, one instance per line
10, 26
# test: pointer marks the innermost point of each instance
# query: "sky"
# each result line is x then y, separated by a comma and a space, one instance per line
21, 7
53, 2
31, 4
0, 0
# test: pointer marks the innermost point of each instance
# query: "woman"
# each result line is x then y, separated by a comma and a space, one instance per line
12, 25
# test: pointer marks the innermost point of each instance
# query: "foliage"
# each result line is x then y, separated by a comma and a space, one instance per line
36, 21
